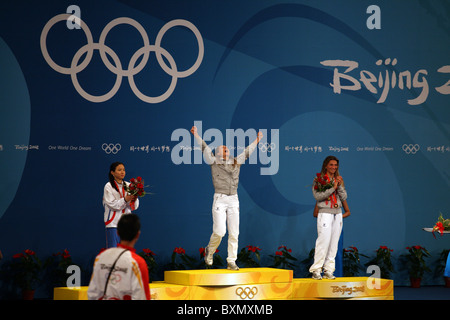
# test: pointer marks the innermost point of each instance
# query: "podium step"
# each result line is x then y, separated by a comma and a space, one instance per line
223, 277
252, 284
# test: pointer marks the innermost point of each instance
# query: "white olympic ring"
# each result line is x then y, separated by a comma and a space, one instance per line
117, 69
111, 148
246, 292
411, 148
266, 146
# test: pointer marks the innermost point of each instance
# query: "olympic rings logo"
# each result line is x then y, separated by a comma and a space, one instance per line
266, 146
410, 148
115, 278
132, 70
246, 292
111, 148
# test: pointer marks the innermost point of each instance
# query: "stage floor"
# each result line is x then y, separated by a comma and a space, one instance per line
252, 284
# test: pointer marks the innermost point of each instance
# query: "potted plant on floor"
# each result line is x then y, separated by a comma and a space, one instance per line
383, 261
181, 261
416, 264
149, 257
283, 258
351, 261
249, 257
26, 271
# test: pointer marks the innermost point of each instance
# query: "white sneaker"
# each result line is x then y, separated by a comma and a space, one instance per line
232, 266
208, 257
316, 275
328, 275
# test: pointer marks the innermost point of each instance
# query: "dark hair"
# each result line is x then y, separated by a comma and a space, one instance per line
128, 226
113, 167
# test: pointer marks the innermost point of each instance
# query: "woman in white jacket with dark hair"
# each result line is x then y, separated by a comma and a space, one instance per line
116, 202
329, 192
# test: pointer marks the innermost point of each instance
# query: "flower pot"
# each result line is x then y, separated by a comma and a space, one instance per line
447, 282
28, 294
415, 282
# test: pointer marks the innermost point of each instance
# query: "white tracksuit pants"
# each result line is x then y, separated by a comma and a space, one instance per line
329, 227
225, 213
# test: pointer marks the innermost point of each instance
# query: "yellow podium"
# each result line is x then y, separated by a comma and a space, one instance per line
252, 284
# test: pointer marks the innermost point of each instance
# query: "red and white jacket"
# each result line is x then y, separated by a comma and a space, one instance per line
115, 205
128, 281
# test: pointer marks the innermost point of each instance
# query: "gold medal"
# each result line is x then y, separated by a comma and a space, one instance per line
336, 205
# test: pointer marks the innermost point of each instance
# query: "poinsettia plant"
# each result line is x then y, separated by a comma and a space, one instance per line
383, 261
149, 257
57, 264
416, 261
351, 261
249, 257
186, 263
283, 258
27, 268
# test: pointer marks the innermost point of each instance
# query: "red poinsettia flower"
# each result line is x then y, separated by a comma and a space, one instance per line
253, 248
29, 252
179, 250
65, 254
149, 252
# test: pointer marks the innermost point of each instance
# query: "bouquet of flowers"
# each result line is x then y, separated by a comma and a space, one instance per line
441, 225
322, 182
136, 187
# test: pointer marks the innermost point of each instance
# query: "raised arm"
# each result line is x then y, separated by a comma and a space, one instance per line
249, 150
209, 157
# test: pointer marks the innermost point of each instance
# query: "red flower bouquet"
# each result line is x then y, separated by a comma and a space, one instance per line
136, 187
322, 182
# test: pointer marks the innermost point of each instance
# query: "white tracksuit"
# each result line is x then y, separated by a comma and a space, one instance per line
329, 227
115, 205
225, 209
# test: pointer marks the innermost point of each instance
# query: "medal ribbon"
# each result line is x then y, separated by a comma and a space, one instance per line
123, 192
332, 198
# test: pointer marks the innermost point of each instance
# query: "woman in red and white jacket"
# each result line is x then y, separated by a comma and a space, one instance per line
116, 202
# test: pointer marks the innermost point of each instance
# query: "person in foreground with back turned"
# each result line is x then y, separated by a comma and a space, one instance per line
119, 273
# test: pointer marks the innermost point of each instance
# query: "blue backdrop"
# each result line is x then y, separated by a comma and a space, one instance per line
318, 72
